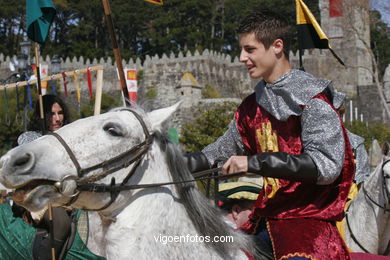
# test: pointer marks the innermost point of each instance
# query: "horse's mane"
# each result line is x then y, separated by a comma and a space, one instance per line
207, 219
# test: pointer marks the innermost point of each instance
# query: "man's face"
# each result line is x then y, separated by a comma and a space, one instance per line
259, 61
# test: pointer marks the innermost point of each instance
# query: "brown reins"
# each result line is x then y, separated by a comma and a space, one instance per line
133, 155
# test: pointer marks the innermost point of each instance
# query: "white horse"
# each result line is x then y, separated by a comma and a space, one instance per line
367, 222
104, 164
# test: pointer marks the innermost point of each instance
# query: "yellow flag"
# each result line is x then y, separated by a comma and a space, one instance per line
157, 2
310, 34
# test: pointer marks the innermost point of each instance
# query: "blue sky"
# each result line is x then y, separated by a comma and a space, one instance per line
383, 6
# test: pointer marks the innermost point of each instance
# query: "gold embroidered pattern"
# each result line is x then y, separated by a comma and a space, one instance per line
268, 141
267, 138
274, 183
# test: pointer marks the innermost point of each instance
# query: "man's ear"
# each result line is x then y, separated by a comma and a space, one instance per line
278, 46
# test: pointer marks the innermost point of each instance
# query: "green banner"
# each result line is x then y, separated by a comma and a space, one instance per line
40, 15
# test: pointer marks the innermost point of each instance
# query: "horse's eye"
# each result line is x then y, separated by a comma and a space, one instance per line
113, 129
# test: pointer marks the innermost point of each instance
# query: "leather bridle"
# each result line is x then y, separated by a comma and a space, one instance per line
133, 155
86, 183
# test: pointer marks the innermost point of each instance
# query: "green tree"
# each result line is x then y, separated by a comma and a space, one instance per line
380, 41
370, 131
11, 118
210, 92
207, 126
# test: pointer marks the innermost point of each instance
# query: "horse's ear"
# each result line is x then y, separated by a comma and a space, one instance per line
158, 118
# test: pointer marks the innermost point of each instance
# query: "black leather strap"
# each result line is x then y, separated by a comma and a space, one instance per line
284, 166
196, 162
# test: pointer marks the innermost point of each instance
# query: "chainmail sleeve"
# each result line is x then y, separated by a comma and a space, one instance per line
361, 157
227, 145
322, 139
362, 164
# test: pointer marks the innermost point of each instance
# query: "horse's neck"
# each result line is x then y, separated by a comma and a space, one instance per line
368, 222
141, 229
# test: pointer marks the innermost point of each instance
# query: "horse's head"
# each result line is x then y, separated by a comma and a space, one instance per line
49, 169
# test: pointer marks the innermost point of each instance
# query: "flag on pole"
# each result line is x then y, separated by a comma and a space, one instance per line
157, 2
131, 81
40, 15
310, 34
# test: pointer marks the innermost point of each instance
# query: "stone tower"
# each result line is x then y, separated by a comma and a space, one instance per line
347, 25
189, 90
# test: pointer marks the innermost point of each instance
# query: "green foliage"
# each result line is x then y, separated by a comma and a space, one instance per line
108, 102
140, 75
370, 131
380, 41
207, 126
151, 92
11, 121
142, 28
210, 92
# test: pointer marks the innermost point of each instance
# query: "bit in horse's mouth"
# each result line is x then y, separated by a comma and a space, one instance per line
20, 193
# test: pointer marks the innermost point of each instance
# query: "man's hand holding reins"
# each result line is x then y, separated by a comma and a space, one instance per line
235, 164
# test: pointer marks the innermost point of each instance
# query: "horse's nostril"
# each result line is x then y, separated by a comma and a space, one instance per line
22, 160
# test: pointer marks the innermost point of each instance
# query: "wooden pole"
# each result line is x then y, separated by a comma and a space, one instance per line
41, 114
51, 228
47, 78
300, 51
118, 59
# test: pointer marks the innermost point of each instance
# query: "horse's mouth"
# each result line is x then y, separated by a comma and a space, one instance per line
21, 193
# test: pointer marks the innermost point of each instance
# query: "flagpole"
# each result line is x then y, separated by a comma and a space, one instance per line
300, 51
43, 126
41, 113
118, 59
40, 15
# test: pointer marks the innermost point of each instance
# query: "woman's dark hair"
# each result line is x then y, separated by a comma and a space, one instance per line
48, 101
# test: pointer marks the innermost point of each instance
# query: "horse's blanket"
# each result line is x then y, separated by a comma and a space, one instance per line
307, 211
17, 237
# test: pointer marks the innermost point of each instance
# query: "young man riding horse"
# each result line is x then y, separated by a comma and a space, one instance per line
289, 132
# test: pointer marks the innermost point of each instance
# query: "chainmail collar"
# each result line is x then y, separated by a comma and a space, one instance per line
283, 98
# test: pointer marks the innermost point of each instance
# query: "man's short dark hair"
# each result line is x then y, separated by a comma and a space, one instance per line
267, 27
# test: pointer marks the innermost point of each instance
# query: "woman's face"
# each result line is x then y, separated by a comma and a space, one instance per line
56, 120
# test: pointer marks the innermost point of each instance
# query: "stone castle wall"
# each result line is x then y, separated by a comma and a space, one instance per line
161, 76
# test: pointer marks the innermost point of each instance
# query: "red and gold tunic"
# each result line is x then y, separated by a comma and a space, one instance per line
300, 216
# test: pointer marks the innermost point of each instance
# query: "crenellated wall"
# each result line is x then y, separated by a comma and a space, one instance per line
161, 75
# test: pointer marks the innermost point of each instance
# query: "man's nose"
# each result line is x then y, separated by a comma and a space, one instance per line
243, 56
56, 117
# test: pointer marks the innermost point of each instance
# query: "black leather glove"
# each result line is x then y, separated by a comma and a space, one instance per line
284, 166
196, 162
